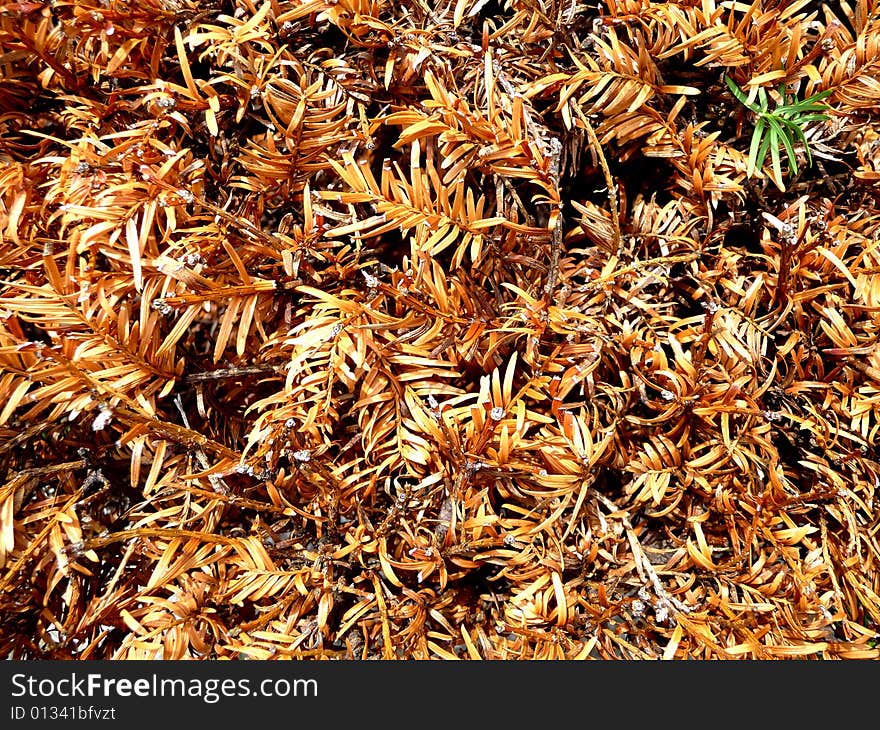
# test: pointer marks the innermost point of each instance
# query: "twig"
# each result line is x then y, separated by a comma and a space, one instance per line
644, 566
556, 218
219, 485
609, 181
226, 373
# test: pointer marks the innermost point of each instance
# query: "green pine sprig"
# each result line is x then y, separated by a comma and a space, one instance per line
783, 127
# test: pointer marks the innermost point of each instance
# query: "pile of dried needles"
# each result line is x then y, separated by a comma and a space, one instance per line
460, 329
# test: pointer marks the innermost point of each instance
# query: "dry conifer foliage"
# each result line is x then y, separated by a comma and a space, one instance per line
458, 329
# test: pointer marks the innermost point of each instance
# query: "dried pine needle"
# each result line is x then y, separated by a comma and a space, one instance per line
345, 330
